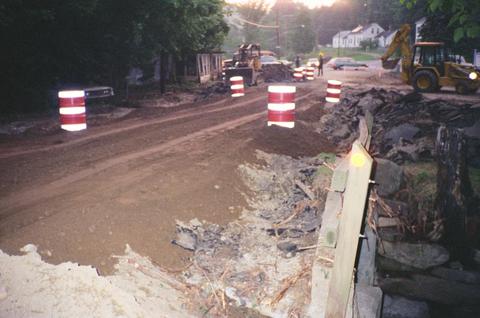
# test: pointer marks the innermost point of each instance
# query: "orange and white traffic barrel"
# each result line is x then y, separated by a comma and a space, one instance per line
236, 86
298, 74
334, 89
310, 73
281, 106
72, 110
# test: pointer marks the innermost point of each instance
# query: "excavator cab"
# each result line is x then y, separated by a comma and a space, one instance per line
434, 66
245, 63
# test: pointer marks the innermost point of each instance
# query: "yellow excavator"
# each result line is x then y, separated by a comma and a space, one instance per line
245, 63
428, 66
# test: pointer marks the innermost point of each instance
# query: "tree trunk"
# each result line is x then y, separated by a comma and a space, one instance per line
454, 190
163, 71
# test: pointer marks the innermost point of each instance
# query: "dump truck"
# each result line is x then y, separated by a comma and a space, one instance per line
428, 66
245, 63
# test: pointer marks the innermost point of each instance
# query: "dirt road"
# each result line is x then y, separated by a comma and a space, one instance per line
81, 197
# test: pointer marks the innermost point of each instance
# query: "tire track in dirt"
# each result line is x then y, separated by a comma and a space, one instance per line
11, 203
180, 115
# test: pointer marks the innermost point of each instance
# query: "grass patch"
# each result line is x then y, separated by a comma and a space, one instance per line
328, 158
422, 179
474, 174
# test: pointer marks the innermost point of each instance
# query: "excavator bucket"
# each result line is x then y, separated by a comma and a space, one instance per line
390, 64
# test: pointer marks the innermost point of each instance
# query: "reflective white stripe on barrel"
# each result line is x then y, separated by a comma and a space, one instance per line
298, 73
333, 91
236, 86
281, 106
72, 110
310, 73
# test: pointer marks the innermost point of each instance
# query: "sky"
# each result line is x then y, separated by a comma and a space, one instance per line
309, 3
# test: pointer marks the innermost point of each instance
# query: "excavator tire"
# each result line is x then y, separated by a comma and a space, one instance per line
425, 82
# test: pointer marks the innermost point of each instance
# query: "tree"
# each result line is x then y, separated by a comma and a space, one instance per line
252, 11
464, 16
302, 38
55, 42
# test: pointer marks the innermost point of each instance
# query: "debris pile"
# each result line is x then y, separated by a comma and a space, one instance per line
411, 260
277, 73
405, 125
216, 88
258, 261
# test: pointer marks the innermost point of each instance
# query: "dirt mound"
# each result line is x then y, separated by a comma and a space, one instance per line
276, 73
313, 114
296, 142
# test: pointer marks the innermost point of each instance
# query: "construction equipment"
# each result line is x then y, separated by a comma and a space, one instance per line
428, 66
245, 63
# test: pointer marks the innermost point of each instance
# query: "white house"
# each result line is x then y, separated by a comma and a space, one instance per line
385, 38
354, 37
418, 27
338, 39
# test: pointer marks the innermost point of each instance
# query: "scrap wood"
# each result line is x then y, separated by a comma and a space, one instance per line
305, 189
298, 209
289, 282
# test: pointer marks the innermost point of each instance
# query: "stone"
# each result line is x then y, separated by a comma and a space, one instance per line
367, 302
432, 289
405, 131
400, 307
418, 255
388, 177
366, 261
389, 265
468, 277
340, 132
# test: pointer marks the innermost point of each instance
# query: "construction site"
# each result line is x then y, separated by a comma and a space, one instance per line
265, 190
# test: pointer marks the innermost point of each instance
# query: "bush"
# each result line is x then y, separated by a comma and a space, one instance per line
369, 44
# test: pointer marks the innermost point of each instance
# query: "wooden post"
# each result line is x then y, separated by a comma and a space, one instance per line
454, 191
350, 224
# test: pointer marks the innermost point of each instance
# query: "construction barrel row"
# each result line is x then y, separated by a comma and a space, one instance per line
281, 99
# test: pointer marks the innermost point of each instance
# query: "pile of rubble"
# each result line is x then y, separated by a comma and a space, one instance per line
419, 276
262, 261
277, 73
405, 125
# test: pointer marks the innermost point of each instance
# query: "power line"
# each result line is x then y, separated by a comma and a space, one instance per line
256, 24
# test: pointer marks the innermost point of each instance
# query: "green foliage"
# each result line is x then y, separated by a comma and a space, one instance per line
464, 16
252, 11
369, 44
302, 37
51, 42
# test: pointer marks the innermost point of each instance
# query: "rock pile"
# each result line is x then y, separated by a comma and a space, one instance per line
276, 73
405, 126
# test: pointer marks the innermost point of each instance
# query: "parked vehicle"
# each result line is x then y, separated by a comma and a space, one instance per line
268, 59
339, 63
313, 62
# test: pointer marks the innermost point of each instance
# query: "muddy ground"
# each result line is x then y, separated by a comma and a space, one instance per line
83, 197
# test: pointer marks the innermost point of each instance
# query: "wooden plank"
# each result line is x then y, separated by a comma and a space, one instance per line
351, 220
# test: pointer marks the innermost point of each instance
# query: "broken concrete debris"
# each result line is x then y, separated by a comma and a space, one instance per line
251, 261
401, 307
419, 255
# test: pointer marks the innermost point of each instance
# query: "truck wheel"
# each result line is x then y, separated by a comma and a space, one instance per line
425, 82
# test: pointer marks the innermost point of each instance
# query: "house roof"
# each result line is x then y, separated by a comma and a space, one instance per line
421, 21
341, 33
361, 28
358, 29
386, 34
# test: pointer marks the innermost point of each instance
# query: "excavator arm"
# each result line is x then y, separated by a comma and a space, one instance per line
400, 41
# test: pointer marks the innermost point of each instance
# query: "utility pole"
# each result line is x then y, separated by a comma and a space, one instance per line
278, 30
